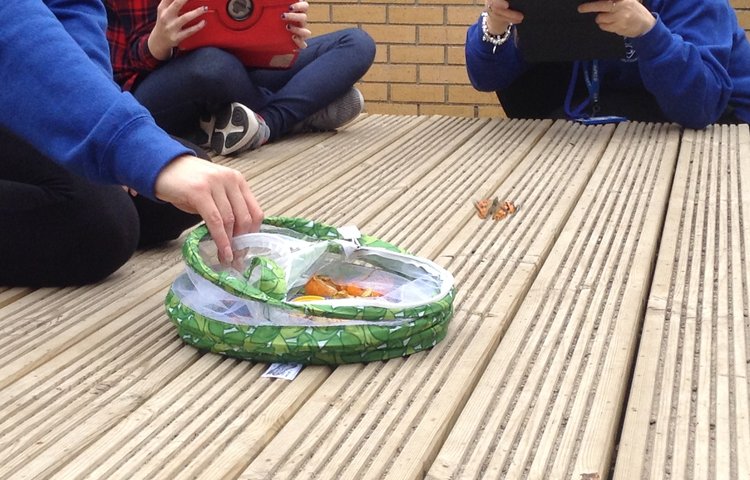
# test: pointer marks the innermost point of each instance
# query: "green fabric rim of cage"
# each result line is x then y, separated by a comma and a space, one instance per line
367, 340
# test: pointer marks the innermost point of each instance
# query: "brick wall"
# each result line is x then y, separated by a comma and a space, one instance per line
419, 65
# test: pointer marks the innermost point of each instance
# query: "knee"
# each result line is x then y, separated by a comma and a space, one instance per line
108, 241
93, 236
210, 66
362, 44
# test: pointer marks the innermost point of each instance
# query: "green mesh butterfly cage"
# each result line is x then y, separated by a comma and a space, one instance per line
304, 292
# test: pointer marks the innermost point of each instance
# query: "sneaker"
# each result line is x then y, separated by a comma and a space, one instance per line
237, 129
206, 123
337, 114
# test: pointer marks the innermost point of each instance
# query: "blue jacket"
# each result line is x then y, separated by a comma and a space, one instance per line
57, 93
695, 62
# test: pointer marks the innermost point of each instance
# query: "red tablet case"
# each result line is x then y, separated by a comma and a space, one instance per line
252, 30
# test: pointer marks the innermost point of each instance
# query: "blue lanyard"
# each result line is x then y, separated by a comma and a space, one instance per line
593, 83
591, 78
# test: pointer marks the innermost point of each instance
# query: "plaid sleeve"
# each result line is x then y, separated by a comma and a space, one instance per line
129, 25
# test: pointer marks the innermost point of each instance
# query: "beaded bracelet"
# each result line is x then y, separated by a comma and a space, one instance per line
495, 40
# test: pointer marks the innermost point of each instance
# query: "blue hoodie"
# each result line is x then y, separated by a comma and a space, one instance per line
695, 61
57, 93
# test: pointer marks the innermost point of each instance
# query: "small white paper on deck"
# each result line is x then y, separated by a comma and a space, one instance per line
284, 371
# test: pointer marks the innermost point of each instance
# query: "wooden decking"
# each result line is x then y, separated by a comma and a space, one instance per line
602, 331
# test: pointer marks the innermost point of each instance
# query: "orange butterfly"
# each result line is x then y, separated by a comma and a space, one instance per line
496, 210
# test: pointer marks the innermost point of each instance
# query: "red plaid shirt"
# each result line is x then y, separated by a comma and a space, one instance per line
129, 25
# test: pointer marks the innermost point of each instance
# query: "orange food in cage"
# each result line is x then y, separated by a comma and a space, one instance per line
323, 286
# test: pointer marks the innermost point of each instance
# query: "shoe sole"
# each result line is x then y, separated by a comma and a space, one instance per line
234, 129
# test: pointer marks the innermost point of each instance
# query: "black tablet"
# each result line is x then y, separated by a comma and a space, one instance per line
554, 31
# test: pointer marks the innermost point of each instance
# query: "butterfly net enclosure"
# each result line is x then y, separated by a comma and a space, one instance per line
305, 292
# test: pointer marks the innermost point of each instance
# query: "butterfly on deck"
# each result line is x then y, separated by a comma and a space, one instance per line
495, 210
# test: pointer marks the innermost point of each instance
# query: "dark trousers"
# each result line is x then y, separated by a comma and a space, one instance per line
207, 79
540, 93
59, 229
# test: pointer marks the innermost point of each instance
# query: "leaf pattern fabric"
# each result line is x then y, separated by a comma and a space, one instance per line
343, 334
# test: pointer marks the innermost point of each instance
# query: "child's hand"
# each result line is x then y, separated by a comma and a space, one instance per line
219, 194
500, 16
296, 23
170, 29
628, 18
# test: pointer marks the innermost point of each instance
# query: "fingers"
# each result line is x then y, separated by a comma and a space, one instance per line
499, 10
173, 6
239, 212
190, 31
295, 19
299, 41
599, 6
300, 7
629, 18
188, 17
247, 213
211, 213
256, 213
220, 195
177, 27
296, 23
170, 29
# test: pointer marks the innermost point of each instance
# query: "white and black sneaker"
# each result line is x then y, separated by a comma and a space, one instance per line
337, 114
206, 123
235, 129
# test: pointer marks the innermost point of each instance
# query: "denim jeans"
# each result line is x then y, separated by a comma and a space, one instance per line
207, 79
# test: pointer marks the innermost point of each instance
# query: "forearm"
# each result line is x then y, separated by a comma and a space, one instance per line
69, 108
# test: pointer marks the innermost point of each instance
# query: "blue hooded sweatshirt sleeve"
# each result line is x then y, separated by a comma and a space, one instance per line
491, 69
58, 94
685, 59
695, 61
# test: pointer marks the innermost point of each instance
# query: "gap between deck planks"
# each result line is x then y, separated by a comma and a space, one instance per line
688, 415
391, 424
155, 408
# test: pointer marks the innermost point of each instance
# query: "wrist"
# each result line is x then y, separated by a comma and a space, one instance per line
496, 27
495, 39
159, 52
648, 24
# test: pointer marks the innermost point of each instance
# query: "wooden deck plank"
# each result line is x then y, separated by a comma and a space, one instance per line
53, 323
469, 174
388, 169
94, 382
548, 404
332, 171
92, 460
687, 415
61, 433
10, 295
404, 435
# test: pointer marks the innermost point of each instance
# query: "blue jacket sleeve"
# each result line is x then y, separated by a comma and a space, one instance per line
59, 95
86, 22
684, 59
488, 71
